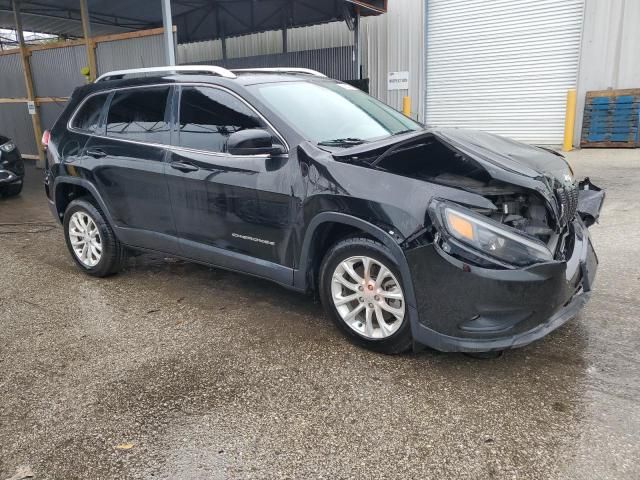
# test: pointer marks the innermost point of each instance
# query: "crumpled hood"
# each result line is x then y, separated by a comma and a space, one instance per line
502, 159
504, 152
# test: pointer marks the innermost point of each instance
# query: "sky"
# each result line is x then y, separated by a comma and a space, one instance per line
9, 36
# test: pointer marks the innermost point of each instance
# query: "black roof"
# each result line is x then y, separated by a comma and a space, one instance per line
195, 19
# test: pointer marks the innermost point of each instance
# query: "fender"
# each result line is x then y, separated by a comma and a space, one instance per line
300, 276
81, 182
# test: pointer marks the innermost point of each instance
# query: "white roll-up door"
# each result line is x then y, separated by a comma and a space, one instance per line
503, 66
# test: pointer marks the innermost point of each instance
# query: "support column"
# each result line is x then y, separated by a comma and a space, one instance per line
90, 45
167, 24
285, 40
356, 43
28, 81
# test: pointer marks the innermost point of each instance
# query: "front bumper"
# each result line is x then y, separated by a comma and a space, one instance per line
11, 167
461, 307
7, 176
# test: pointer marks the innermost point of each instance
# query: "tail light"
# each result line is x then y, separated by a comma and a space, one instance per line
45, 138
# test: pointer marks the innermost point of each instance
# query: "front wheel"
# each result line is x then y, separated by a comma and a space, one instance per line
90, 239
360, 287
11, 190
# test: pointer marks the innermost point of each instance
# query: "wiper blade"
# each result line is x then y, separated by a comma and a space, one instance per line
402, 132
338, 142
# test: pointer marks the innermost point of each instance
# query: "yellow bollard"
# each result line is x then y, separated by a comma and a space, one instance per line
406, 106
569, 120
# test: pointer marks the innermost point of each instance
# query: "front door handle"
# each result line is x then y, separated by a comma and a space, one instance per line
96, 153
184, 166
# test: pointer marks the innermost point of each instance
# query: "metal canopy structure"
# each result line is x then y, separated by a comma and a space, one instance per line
85, 21
195, 19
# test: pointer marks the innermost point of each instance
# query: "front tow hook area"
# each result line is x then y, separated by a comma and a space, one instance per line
590, 200
7, 176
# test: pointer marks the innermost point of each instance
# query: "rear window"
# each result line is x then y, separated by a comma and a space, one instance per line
139, 114
88, 117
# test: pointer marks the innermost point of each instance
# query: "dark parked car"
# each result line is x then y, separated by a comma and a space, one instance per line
458, 240
11, 168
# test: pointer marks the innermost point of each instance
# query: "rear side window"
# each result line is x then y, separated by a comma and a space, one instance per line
139, 114
88, 117
209, 115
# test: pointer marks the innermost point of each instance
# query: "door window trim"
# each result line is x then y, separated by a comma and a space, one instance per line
175, 106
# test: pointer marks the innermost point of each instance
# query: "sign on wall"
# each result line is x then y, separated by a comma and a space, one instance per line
398, 81
31, 107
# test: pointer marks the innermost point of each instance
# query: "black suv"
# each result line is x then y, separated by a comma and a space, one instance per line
11, 168
454, 239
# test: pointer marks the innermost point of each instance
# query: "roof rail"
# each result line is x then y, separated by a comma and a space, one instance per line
304, 71
206, 69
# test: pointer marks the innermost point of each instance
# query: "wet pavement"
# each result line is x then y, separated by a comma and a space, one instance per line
198, 373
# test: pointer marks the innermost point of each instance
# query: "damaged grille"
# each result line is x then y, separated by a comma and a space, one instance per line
568, 203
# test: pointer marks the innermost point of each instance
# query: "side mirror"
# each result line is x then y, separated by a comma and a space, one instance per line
252, 142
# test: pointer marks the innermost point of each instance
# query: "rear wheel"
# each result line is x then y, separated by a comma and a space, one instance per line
90, 239
11, 190
361, 289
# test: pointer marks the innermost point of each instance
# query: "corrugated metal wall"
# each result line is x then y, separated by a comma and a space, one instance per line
394, 42
333, 62
299, 39
11, 79
329, 35
56, 71
198, 52
264, 43
130, 53
49, 113
610, 55
15, 123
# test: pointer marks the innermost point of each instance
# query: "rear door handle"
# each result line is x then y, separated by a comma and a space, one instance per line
96, 153
184, 166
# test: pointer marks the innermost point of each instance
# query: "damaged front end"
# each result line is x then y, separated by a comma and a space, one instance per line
501, 274
533, 195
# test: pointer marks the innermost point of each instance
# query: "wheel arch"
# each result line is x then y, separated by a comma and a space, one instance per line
312, 245
67, 189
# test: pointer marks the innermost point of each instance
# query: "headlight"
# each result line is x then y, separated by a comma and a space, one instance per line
8, 147
489, 237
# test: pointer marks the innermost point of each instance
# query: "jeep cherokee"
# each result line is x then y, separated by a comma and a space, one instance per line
454, 239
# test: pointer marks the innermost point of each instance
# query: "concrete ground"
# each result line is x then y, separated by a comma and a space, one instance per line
210, 374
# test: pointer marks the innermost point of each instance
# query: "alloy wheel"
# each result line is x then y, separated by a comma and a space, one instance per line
85, 239
368, 297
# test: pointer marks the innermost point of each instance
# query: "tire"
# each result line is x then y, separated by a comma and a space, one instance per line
393, 334
112, 253
12, 190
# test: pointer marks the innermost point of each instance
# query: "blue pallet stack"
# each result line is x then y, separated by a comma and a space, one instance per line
611, 119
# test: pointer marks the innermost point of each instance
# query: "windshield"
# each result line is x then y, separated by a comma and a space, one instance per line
333, 113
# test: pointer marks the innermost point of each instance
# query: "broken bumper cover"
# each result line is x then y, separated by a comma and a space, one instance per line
590, 200
461, 307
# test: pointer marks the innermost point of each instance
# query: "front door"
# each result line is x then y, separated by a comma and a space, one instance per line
232, 211
127, 165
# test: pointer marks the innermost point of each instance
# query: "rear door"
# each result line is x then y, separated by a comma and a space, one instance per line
127, 165
233, 211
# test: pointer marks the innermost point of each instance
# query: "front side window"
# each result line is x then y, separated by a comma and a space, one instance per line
329, 111
88, 117
139, 114
209, 115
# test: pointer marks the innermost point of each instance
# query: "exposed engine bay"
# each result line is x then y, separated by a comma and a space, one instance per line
516, 206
